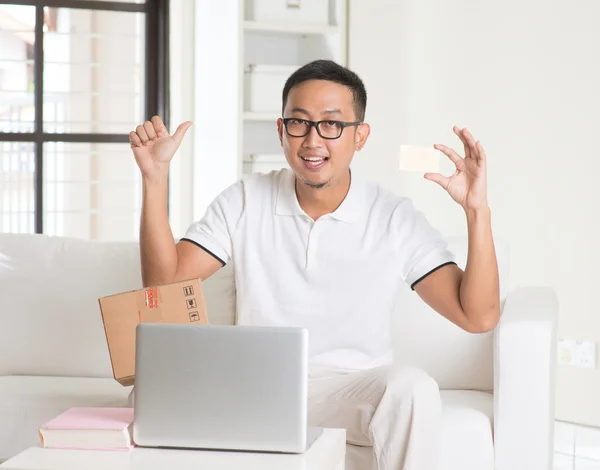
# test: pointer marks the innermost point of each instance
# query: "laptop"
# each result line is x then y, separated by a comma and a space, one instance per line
222, 387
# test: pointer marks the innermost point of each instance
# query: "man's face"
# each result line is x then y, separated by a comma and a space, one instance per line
317, 161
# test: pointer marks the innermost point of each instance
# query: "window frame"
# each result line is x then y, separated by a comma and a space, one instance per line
156, 81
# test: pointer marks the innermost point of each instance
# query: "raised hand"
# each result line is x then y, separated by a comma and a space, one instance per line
153, 146
467, 185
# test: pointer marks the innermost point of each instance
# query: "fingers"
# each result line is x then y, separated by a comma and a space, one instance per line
482, 155
181, 130
134, 140
463, 139
149, 128
471, 143
148, 131
142, 134
451, 154
442, 180
159, 126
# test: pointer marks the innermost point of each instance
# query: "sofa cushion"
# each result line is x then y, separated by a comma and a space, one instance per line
26, 403
467, 421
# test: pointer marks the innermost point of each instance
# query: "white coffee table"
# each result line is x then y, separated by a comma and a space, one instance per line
327, 453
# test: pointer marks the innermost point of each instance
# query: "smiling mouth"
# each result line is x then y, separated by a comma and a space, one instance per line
314, 163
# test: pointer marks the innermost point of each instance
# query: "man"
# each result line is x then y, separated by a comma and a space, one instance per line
317, 247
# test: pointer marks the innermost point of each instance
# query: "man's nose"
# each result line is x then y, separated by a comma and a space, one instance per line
313, 139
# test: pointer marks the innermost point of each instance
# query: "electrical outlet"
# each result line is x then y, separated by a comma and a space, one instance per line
575, 353
588, 354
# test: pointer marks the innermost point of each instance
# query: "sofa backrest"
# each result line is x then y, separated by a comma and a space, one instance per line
49, 314
50, 322
454, 358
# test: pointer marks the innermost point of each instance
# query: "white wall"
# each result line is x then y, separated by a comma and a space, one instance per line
523, 76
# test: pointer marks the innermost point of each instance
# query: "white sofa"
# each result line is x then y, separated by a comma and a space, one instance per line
497, 388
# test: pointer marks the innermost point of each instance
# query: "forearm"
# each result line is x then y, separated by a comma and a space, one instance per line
479, 288
157, 245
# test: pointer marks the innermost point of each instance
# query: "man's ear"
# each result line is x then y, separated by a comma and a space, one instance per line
361, 136
280, 130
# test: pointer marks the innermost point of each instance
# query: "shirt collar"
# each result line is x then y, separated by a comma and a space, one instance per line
350, 210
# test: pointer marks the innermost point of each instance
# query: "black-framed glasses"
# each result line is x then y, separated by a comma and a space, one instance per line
329, 129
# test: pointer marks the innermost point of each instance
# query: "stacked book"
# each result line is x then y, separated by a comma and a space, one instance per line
90, 428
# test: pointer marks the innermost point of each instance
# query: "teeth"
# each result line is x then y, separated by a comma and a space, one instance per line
314, 159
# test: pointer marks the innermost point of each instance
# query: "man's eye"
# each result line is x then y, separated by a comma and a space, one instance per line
331, 123
296, 121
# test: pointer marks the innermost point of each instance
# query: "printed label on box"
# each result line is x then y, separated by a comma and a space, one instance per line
152, 297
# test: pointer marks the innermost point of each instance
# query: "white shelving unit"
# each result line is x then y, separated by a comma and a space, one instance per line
280, 43
287, 28
251, 116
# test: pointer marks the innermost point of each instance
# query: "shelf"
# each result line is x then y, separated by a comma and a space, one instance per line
250, 116
287, 28
278, 47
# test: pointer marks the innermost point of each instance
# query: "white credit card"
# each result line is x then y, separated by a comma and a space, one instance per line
419, 159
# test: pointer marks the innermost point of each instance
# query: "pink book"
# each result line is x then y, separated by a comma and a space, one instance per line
90, 428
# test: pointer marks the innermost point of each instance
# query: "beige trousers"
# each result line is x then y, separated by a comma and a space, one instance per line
396, 410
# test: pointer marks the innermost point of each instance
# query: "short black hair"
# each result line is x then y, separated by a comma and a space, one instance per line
332, 72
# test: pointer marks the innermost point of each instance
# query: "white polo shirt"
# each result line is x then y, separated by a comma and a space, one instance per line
337, 276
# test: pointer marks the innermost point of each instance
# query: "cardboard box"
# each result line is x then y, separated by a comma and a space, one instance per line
180, 302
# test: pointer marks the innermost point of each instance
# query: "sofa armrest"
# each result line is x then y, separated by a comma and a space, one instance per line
524, 374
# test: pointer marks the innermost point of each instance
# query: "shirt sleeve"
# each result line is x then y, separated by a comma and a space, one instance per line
423, 250
214, 232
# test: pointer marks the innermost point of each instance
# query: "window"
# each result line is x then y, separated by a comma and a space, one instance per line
75, 77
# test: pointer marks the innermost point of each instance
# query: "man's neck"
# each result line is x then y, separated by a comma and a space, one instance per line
317, 202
